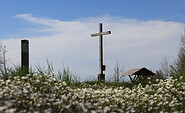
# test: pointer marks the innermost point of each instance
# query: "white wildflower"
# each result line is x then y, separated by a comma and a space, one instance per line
24, 78
157, 80
11, 110
181, 77
64, 83
37, 81
106, 109
3, 108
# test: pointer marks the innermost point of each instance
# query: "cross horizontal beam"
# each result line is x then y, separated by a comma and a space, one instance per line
102, 33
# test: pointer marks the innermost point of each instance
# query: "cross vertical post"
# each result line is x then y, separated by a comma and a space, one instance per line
100, 49
101, 76
25, 55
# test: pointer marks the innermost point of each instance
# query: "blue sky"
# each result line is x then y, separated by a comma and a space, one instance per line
167, 10
143, 31
170, 10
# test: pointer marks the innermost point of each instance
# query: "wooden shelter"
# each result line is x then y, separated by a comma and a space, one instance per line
138, 74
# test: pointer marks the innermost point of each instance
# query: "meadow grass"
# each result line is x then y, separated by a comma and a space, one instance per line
48, 92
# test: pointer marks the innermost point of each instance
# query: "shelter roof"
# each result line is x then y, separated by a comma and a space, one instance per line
139, 71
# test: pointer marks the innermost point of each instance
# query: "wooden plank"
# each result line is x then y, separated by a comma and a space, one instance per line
131, 78
101, 33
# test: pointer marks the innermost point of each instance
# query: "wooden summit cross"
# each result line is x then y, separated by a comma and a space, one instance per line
101, 76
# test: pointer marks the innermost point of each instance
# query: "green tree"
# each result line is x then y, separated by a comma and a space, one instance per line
180, 62
3, 61
117, 75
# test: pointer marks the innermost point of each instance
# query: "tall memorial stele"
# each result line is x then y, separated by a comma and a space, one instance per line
25, 54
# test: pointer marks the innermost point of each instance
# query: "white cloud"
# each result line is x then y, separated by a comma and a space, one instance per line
133, 43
